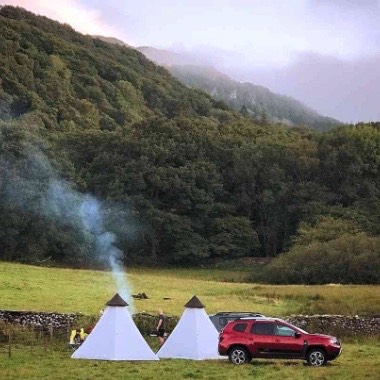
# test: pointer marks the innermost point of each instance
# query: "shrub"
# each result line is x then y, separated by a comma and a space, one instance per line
349, 259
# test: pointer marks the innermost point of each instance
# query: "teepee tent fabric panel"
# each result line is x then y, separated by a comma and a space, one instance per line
195, 337
100, 343
207, 337
115, 337
182, 342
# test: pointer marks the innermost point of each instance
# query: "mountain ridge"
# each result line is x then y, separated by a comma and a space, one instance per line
112, 40
254, 100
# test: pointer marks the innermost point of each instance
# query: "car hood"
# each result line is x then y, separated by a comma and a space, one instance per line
322, 336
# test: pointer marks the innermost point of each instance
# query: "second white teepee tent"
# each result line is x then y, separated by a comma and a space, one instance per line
115, 337
195, 336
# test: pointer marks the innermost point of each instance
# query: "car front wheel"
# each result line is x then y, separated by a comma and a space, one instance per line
239, 355
316, 357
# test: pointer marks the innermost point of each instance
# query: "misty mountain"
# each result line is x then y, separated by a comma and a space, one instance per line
111, 40
349, 89
256, 101
168, 58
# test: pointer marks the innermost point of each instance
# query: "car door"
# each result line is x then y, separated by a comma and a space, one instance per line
262, 339
288, 343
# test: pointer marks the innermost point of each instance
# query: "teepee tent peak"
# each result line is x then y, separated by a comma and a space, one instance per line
116, 300
195, 303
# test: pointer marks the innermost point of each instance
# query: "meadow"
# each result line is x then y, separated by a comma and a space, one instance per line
25, 287
359, 361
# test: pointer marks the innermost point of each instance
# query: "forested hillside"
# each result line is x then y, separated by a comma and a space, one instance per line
183, 178
252, 100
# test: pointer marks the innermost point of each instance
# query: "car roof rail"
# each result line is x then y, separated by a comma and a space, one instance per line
254, 318
237, 312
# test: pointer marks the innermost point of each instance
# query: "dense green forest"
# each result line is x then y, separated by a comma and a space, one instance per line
181, 177
252, 100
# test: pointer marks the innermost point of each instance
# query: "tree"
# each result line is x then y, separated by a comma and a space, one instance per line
232, 237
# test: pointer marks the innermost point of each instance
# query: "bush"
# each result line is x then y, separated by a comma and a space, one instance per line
349, 259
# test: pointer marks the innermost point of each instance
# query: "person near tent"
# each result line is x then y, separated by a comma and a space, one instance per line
88, 330
78, 336
82, 335
75, 337
161, 327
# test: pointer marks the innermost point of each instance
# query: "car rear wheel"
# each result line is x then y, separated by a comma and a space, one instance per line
239, 355
316, 357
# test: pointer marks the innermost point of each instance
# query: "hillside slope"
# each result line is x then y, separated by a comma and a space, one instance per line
251, 99
70, 77
179, 176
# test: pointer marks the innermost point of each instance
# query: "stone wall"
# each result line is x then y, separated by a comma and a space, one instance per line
39, 319
327, 324
340, 325
64, 322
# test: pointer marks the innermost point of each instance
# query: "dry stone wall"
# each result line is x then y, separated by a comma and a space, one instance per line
64, 322
39, 319
339, 325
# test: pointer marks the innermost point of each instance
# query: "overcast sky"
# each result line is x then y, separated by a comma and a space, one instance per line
325, 53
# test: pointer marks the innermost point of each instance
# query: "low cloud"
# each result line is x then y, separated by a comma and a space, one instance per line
82, 18
348, 90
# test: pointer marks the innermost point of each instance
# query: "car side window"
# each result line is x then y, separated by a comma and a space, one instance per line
240, 327
282, 330
260, 328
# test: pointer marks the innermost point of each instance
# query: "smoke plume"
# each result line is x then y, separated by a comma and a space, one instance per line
30, 184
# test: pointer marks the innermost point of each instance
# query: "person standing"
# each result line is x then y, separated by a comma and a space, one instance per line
161, 327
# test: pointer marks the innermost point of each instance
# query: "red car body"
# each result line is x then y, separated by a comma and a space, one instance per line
275, 338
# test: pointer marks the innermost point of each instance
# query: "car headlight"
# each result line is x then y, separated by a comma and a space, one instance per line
335, 341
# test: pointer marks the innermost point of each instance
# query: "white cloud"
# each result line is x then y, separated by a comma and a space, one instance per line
82, 18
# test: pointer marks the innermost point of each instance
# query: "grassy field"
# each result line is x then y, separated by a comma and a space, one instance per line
24, 287
359, 361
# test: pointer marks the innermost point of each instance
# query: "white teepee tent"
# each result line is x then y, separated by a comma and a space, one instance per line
115, 337
195, 337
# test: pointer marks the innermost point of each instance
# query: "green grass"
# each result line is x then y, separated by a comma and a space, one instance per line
358, 361
24, 287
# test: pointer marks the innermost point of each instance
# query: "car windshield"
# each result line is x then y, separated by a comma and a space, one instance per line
298, 329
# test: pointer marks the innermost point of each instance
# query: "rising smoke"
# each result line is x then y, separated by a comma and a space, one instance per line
30, 184
64, 203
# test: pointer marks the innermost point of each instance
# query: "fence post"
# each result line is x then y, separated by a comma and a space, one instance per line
9, 343
67, 327
33, 336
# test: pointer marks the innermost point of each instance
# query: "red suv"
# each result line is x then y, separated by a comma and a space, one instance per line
249, 338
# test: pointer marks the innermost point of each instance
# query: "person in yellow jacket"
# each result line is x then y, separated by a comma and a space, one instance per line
82, 335
77, 336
